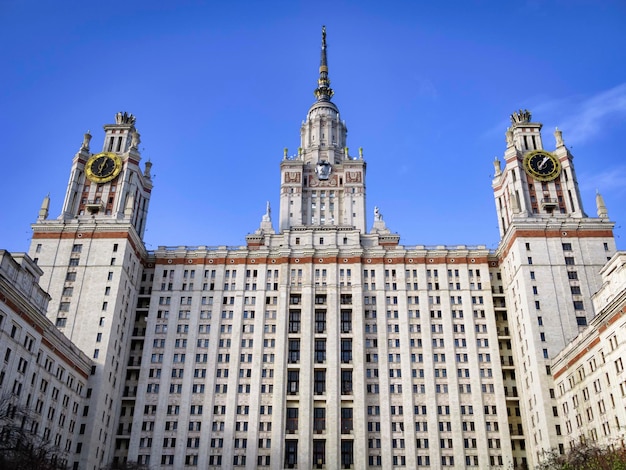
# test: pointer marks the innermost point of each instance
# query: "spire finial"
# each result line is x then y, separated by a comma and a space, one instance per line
45, 207
603, 213
323, 92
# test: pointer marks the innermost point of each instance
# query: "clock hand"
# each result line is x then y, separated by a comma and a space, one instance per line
543, 163
102, 165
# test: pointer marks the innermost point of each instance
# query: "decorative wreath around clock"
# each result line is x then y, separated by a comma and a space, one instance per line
103, 167
542, 165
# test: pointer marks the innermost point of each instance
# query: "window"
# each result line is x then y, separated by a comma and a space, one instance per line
347, 456
294, 351
346, 321
320, 320
319, 382
291, 453
294, 321
346, 382
319, 452
346, 420
320, 351
346, 351
319, 420
291, 425
293, 381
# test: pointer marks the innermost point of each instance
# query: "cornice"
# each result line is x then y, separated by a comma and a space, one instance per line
553, 228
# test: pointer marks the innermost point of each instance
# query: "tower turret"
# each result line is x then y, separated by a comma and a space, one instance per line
101, 185
535, 182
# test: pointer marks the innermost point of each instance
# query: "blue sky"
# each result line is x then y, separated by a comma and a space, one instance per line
220, 88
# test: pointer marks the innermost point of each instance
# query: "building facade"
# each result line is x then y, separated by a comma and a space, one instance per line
92, 257
43, 376
589, 372
322, 344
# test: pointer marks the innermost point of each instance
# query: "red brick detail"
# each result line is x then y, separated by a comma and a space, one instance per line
33, 323
609, 321
575, 359
555, 233
250, 260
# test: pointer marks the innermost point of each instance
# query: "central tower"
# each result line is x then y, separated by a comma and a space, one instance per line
322, 185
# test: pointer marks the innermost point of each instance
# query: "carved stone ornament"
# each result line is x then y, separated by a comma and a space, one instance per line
292, 177
323, 170
353, 177
521, 117
124, 118
329, 183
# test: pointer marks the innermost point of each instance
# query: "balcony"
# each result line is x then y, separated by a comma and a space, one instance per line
95, 206
506, 361
549, 204
134, 361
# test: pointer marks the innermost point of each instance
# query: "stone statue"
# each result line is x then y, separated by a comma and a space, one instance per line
124, 118
558, 135
267, 217
86, 140
496, 166
135, 140
377, 215
509, 138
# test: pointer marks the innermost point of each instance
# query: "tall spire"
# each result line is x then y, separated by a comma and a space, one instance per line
323, 92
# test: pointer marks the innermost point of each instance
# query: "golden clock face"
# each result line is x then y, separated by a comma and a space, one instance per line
542, 165
103, 167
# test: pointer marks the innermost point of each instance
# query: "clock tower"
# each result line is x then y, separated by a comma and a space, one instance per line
535, 182
550, 256
323, 185
92, 258
110, 185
